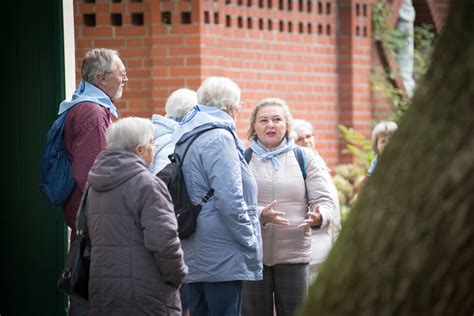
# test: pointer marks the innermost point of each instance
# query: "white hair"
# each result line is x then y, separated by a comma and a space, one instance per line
179, 102
384, 128
219, 92
300, 126
127, 133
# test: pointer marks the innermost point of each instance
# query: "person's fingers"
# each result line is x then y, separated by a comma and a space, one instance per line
277, 213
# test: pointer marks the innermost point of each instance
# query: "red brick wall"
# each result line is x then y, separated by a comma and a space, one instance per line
317, 56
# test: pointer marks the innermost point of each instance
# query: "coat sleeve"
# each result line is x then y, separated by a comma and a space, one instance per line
223, 171
319, 191
160, 233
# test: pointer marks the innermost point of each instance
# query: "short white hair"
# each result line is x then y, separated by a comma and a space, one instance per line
219, 92
179, 102
127, 133
300, 126
384, 128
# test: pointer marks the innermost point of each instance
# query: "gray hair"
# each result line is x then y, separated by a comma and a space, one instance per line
179, 102
127, 133
384, 128
219, 92
300, 126
271, 101
98, 61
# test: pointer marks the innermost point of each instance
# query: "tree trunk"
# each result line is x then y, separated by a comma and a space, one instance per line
407, 247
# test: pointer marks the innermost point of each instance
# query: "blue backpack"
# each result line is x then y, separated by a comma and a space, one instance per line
57, 183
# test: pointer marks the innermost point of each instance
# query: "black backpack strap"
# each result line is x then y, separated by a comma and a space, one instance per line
209, 193
248, 154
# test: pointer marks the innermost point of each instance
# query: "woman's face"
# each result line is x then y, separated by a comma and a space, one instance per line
305, 139
382, 141
270, 125
146, 151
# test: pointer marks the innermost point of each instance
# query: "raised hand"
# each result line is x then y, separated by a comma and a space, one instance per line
269, 215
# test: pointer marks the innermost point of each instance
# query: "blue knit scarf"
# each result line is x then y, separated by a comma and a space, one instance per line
262, 153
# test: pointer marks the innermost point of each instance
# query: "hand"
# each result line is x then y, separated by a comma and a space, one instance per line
269, 215
314, 219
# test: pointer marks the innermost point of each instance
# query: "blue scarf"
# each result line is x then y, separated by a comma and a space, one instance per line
263, 154
86, 92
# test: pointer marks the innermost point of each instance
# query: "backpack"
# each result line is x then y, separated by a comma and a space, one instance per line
299, 154
186, 212
57, 183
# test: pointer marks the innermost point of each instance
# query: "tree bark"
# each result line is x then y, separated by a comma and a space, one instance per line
407, 247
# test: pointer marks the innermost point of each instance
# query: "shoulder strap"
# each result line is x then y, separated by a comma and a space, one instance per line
248, 154
209, 193
299, 153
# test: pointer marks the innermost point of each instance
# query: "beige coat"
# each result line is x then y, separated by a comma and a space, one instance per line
287, 187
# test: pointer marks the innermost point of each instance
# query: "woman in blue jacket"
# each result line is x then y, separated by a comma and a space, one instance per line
226, 247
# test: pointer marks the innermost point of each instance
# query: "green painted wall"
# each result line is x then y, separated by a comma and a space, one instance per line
33, 235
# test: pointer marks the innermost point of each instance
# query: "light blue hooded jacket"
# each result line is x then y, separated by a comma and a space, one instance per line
227, 243
163, 129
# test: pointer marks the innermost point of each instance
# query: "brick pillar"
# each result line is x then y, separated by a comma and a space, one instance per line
354, 67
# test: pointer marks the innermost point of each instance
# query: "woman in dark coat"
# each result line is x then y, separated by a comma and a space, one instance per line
137, 263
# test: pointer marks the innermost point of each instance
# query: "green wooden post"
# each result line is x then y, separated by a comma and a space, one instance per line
33, 235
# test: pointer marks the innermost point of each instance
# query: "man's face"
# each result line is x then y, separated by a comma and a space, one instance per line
113, 81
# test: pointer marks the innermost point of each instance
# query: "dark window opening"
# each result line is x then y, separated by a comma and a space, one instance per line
270, 4
89, 1
260, 24
309, 6
249, 23
364, 31
270, 25
364, 10
216, 17
206, 17
320, 8
116, 1
137, 18
166, 18
328, 8
357, 10
357, 30
320, 29
328, 29
290, 5
290, 27
89, 19
260, 3
249, 3
300, 5
309, 28
228, 21
282, 26
280, 5
240, 22
186, 18
301, 27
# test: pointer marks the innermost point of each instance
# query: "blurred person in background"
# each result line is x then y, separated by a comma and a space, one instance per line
177, 105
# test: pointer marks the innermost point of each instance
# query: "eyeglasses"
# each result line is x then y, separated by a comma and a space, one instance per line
153, 146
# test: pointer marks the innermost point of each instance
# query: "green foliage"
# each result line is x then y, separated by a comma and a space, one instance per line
394, 39
424, 38
348, 177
